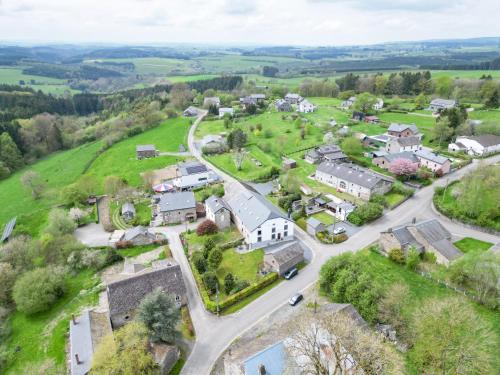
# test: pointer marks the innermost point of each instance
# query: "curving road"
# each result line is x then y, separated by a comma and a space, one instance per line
213, 334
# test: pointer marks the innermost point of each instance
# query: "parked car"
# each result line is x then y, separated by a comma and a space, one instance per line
339, 230
296, 298
291, 273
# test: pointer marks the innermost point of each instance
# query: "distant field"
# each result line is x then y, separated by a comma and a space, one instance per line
12, 76
57, 170
237, 63
120, 160
465, 73
196, 77
158, 65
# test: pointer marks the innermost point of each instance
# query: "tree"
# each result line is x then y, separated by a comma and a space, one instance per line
442, 131
76, 214
9, 153
403, 167
210, 281
227, 121
206, 227
492, 101
237, 139
352, 146
7, 280
19, 252
160, 314
228, 283
269, 71
36, 291
444, 86
181, 95
390, 309
451, 338
380, 84
329, 343
124, 353
113, 184
148, 177
238, 157
60, 223
412, 259
73, 195
364, 102
215, 259
32, 181
208, 246
420, 101
397, 255
199, 261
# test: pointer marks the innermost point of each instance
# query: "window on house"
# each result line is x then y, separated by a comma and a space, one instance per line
259, 239
273, 237
274, 230
286, 226
177, 298
259, 232
285, 234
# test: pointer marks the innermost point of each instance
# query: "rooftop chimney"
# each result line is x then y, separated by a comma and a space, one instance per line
414, 220
262, 370
77, 358
73, 319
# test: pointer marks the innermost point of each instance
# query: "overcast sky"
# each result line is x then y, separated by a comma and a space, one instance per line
300, 22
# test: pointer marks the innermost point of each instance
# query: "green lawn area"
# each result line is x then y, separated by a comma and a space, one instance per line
43, 336
465, 73
486, 115
386, 273
227, 235
57, 170
328, 102
49, 85
136, 250
424, 123
120, 160
368, 129
393, 198
210, 127
143, 213
470, 245
324, 218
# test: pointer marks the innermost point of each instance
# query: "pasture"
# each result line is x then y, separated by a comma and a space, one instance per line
12, 76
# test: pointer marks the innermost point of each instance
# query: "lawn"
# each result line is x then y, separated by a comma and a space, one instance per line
227, 235
424, 123
56, 86
486, 115
368, 129
120, 160
57, 170
324, 218
470, 245
393, 199
159, 66
136, 250
43, 336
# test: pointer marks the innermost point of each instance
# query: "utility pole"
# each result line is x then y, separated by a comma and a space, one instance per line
217, 297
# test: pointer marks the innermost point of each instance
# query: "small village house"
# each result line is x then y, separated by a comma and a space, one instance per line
383, 160
326, 152
403, 130
289, 164
177, 207
346, 104
379, 104
218, 211
398, 145
284, 257
211, 101
341, 209
480, 145
190, 112
226, 111
138, 236
128, 211
293, 98
283, 106
314, 226
193, 174
306, 106
435, 162
146, 151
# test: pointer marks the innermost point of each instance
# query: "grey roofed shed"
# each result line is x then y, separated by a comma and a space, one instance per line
353, 173
439, 237
314, 223
215, 204
128, 208
408, 141
177, 201
140, 148
132, 233
192, 167
253, 209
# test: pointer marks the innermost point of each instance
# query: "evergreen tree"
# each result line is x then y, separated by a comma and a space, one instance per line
9, 153
492, 101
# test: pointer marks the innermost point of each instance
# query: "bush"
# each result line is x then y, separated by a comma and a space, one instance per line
38, 290
228, 283
365, 213
379, 199
354, 218
7, 280
215, 259
397, 256
199, 262
240, 285
231, 244
340, 238
399, 188
210, 281
430, 257
413, 259
206, 227
208, 246
286, 201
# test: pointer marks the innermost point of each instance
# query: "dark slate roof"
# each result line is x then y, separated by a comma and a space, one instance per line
215, 203
192, 167
443, 102
353, 173
313, 222
128, 207
291, 95
7, 231
447, 249
408, 141
487, 140
287, 252
132, 233
439, 237
394, 127
258, 96
125, 295
145, 148
328, 149
406, 239
401, 155
177, 201
436, 158
253, 209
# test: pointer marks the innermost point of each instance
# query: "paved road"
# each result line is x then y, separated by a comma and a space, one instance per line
213, 334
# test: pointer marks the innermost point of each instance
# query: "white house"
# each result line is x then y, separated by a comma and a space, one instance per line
439, 104
259, 222
346, 104
398, 145
480, 145
378, 105
223, 111
193, 174
306, 106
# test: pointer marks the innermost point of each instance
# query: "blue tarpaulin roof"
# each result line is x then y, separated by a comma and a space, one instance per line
272, 358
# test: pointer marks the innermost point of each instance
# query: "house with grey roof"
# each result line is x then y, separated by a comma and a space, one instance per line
128, 211
346, 104
425, 236
435, 162
331, 153
218, 211
138, 235
383, 160
283, 106
305, 106
126, 294
211, 100
438, 104
480, 145
258, 220
397, 145
341, 209
284, 257
86, 332
191, 112
353, 179
403, 130
145, 151
177, 207
314, 226
193, 174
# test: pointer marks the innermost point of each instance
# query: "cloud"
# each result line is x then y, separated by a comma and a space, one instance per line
396, 5
239, 7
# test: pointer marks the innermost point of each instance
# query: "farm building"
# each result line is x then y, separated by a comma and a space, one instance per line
145, 151
177, 207
325, 152
138, 236
402, 130
293, 98
438, 104
398, 145
306, 106
193, 174
284, 257
289, 164
191, 112
283, 106
352, 179
314, 226
480, 145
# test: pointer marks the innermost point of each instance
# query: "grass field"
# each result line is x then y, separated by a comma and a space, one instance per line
120, 160
12, 76
465, 73
43, 336
158, 65
57, 170
324, 218
470, 245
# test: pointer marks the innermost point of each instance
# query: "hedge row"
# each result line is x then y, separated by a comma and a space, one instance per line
231, 244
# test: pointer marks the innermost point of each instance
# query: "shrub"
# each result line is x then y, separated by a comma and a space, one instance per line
413, 259
379, 199
354, 218
340, 238
215, 259
240, 285
399, 188
365, 213
208, 246
228, 283
286, 201
210, 281
397, 256
430, 257
206, 227
38, 290
199, 262
7, 280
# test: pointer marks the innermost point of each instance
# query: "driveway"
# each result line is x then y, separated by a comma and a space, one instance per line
350, 229
92, 235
